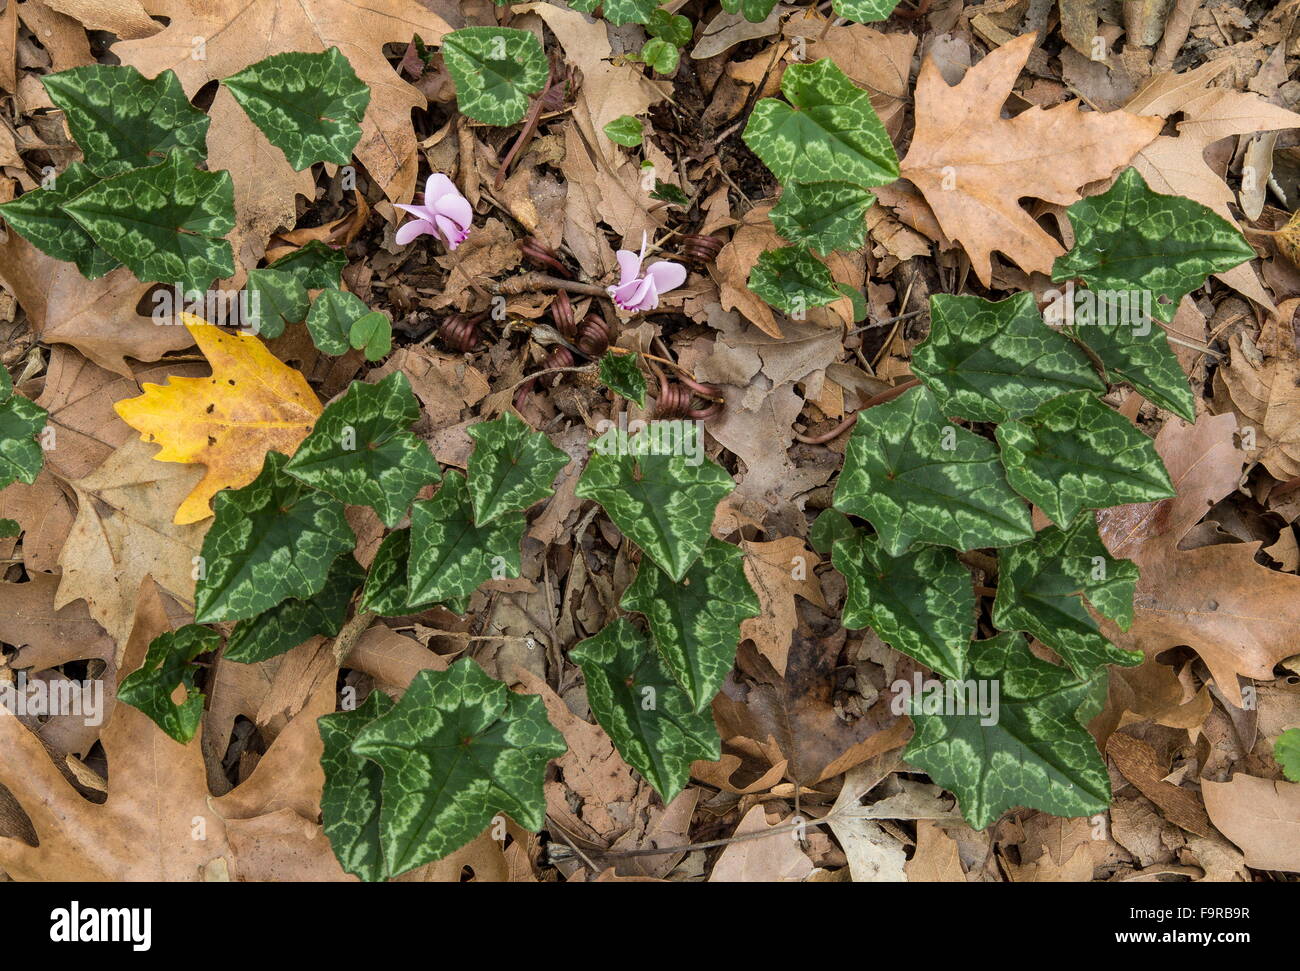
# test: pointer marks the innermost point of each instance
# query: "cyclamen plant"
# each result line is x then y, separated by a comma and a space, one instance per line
410, 781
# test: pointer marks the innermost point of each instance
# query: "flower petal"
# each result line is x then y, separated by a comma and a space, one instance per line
457, 209
437, 186
416, 227
629, 266
667, 275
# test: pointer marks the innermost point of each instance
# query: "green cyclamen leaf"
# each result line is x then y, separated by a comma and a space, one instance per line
792, 280
10, 528
330, 320
165, 222
1286, 753
455, 751
1130, 238
830, 526
755, 11
274, 298
919, 479
1036, 752
920, 603
271, 540
167, 665
831, 134
495, 69
658, 488
512, 467
696, 621
674, 28
619, 12
373, 334
1074, 453
362, 452
351, 797
315, 265
990, 361
825, 216
864, 11
289, 623
309, 106
620, 373
39, 217
625, 130
122, 120
649, 718
1041, 584
386, 591
1131, 347
662, 56
21, 420
450, 555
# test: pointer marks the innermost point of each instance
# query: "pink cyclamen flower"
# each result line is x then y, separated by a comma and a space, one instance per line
445, 214
640, 291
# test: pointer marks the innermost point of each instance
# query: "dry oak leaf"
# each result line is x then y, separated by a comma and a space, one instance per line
777, 571
1265, 392
237, 33
158, 802
1240, 617
123, 532
1261, 816
252, 404
974, 166
1175, 164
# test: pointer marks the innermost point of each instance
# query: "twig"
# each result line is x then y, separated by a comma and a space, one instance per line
585, 368
351, 633
535, 280
847, 423
713, 844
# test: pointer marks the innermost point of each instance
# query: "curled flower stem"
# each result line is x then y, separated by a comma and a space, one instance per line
848, 422
534, 281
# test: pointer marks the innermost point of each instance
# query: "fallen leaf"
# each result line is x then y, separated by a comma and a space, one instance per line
1261, 816
974, 166
778, 571
252, 404
773, 859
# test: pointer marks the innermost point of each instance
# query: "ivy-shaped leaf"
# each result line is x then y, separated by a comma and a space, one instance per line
660, 495
315, 265
1074, 453
661, 56
864, 11
38, 216
920, 603
21, 419
919, 479
289, 623
619, 12
271, 540
309, 106
450, 555
792, 280
1041, 585
10, 528
1130, 238
626, 131
372, 334
362, 452
511, 468
828, 528
387, 592
495, 69
455, 751
1036, 752
619, 373
167, 665
696, 620
1286, 753
831, 134
648, 717
330, 320
990, 361
1132, 350
825, 216
755, 11
122, 120
350, 799
275, 298
674, 28
166, 222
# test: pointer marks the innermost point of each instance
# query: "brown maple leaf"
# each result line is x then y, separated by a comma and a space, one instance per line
1240, 617
974, 166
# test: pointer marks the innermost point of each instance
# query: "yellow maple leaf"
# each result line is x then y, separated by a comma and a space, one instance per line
252, 403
